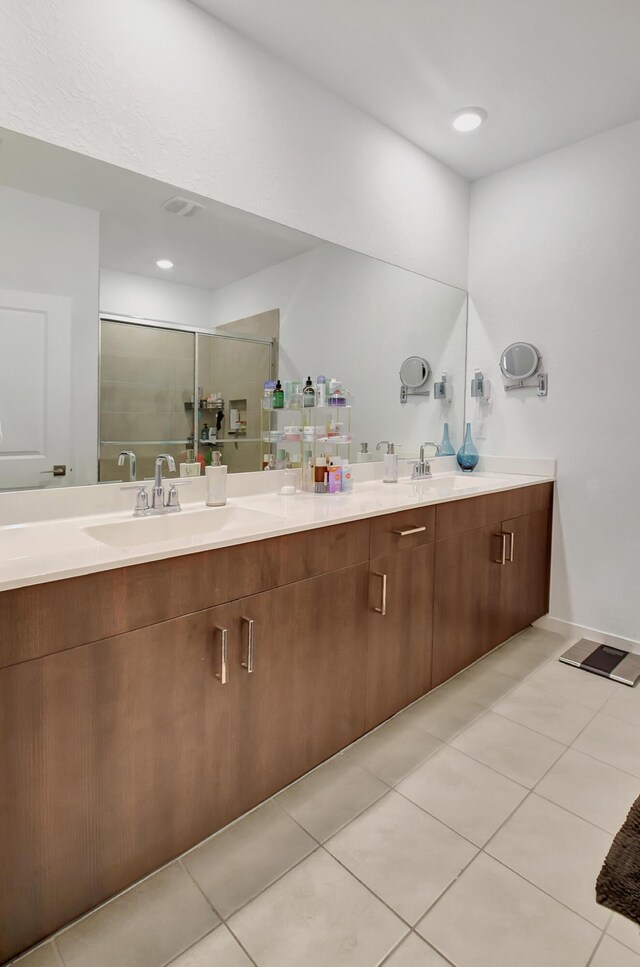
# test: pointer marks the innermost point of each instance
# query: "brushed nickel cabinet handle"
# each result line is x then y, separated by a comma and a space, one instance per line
223, 674
410, 530
383, 602
248, 664
512, 540
503, 556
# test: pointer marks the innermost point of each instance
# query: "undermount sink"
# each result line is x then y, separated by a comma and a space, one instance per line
183, 526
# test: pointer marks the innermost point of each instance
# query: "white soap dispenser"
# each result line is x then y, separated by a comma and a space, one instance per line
390, 462
216, 476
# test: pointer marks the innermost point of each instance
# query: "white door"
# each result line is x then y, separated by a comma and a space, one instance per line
35, 389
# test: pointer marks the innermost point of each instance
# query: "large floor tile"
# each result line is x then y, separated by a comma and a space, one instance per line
414, 952
461, 792
545, 712
624, 704
217, 949
405, 856
331, 796
627, 932
515, 658
491, 917
612, 741
317, 915
509, 748
45, 956
544, 642
573, 684
393, 750
145, 927
236, 864
610, 953
442, 714
592, 789
557, 851
480, 684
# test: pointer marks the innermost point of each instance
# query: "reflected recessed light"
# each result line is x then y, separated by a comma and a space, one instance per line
164, 264
469, 118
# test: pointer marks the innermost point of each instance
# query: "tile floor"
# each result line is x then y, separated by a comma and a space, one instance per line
467, 831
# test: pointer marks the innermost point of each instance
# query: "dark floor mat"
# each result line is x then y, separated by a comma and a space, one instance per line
618, 885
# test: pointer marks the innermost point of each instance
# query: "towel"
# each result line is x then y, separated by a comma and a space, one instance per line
618, 885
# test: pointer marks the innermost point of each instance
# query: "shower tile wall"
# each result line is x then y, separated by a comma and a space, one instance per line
145, 378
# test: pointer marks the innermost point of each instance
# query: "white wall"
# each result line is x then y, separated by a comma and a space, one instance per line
50, 247
124, 294
162, 88
356, 319
555, 260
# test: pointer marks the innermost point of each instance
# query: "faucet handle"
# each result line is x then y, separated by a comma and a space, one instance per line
142, 499
173, 498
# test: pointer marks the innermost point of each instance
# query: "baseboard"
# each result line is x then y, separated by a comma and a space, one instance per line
581, 631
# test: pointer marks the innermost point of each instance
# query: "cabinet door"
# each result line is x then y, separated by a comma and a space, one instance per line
304, 698
400, 631
524, 588
114, 758
467, 620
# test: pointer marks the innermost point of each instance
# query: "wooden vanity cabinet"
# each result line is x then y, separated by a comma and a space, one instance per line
491, 581
304, 699
131, 725
400, 612
114, 759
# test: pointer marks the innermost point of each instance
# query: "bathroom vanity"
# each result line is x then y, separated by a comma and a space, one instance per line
145, 705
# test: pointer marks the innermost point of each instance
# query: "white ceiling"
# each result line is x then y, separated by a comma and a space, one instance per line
213, 248
549, 72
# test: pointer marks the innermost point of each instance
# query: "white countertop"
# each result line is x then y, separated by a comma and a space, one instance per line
50, 550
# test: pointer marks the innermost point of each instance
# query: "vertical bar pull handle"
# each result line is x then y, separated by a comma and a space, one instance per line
248, 664
383, 600
223, 674
512, 540
503, 554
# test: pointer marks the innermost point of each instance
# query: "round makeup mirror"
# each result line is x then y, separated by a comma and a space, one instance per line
520, 360
414, 372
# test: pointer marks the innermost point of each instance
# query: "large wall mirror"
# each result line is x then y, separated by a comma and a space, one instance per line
104, 350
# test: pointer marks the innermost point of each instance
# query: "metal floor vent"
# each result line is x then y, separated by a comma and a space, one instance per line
614, 663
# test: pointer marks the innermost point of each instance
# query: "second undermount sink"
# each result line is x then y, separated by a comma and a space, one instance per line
193, 527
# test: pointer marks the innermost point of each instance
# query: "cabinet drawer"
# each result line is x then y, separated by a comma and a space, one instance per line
470, 513
46, 618
400, 532
264, 565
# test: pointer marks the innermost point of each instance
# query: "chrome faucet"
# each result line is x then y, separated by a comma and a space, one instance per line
122, 456
157, 496
422, 469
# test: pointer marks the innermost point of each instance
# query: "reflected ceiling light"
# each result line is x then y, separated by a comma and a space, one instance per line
468, 118
164, 264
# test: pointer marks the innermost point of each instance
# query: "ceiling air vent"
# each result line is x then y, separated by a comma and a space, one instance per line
182, 206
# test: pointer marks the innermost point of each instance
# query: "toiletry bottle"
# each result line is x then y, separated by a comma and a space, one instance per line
216, 476
308, 393
213, 434
282, 459
267, 396
321, 391
278, 396
320, 473
363, 455
390, 462
335, 478
347, 477
204, 436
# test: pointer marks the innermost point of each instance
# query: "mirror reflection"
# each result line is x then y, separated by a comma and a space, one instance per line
520, 360
137, 318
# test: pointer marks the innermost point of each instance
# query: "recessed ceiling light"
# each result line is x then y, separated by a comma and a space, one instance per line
164, 264
469, 118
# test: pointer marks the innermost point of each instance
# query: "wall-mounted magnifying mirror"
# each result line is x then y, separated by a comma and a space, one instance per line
414, 373
519, 362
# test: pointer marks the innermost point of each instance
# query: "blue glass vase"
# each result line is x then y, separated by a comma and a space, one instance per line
446, 448
468, 456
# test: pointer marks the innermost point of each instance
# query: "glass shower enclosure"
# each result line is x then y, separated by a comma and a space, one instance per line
186, 392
